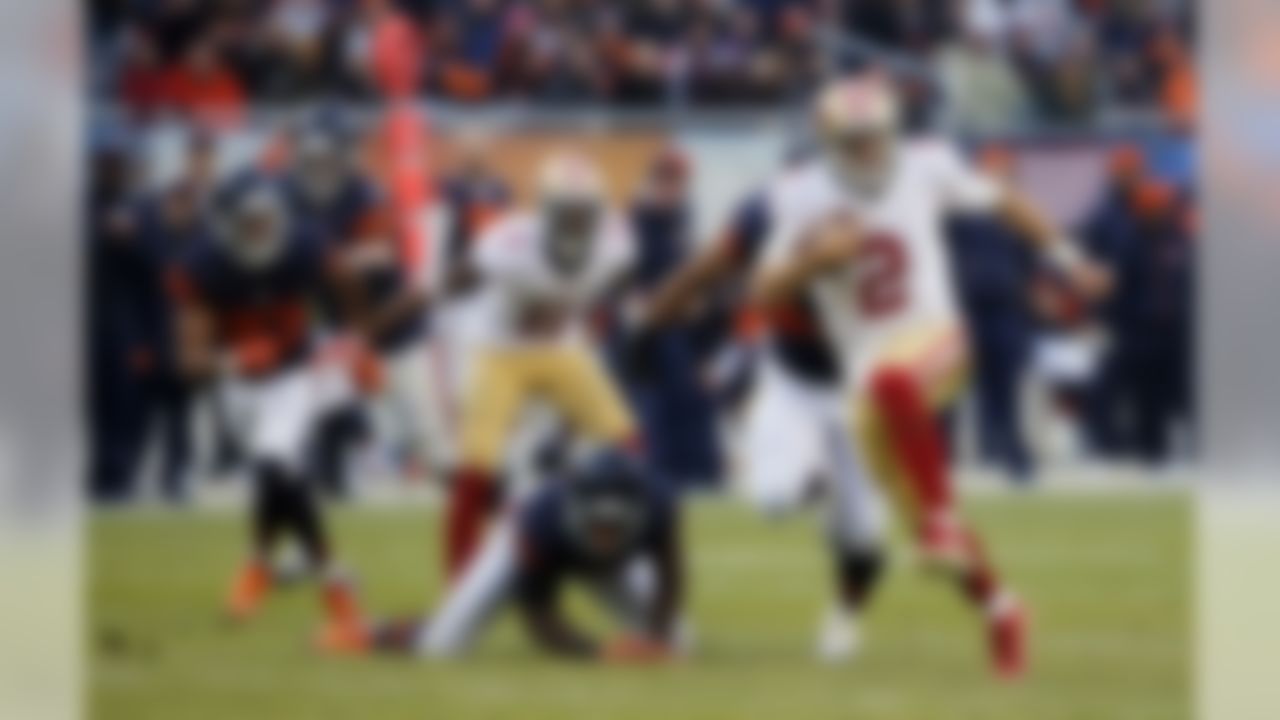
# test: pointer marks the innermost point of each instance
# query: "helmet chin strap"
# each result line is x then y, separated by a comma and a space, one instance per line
870, 184
260, 256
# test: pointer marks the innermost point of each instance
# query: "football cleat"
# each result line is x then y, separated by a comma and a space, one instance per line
344, 638
342, 607
249, 589
1007, 636
839, 637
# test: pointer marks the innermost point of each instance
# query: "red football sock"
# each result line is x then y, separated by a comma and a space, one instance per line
470, 502
979, 582
633, 445
915, 437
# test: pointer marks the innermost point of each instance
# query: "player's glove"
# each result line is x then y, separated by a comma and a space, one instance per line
255, 355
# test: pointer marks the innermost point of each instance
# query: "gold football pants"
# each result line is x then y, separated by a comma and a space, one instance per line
934, 358
505, 380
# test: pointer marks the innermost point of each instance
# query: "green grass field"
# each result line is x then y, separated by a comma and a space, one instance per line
1107, 579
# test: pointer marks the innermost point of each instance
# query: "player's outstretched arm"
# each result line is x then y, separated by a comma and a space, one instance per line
408, 303
674, 297
195, 350
832, 243
197, 357
537, 601
1088, 278
554, 633
668, 600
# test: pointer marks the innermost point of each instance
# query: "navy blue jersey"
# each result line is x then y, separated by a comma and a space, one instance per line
549, 554
472, 203
796, 337
272, 304
341, 219
358, 213
662, 232
166, 245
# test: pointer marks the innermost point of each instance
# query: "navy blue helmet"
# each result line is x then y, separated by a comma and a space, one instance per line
251, 219
607, 502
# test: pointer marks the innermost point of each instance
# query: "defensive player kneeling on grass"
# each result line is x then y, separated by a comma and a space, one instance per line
607, 525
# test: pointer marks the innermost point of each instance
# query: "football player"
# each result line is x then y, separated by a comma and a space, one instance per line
858, 231
607, 525
794, 404
245, 322
328, 190
543, 272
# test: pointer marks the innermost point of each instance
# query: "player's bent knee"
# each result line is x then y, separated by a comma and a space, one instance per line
859, 537
774, 499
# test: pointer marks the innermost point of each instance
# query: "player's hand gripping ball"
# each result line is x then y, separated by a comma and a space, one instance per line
833, 242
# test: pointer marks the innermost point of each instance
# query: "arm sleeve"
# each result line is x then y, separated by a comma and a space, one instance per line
747, 231
626, 253
667, 552
538, 599
491, 253
782, 238
963, 187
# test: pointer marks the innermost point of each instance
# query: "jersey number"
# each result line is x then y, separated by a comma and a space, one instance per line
881, 275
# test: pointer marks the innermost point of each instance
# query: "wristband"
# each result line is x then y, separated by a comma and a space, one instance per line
1064, 255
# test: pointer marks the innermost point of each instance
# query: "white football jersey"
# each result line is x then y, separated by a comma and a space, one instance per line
902, 274
526, 298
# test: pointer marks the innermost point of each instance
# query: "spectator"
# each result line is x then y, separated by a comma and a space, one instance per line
299, 44
1070, 54
1176, 72
676, 411
204, 89
994, 270
1110, 233
170, 226
983, 91
900, 24
1145, 385
119, 357
175, 25
143, 78
469, 45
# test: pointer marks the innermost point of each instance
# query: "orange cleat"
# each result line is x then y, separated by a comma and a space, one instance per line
344, 621
635, 650
248, 591
346, 638
1007, 635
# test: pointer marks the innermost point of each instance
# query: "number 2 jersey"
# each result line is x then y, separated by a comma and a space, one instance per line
901, 276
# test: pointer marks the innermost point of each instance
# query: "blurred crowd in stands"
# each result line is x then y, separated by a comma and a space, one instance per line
998, 63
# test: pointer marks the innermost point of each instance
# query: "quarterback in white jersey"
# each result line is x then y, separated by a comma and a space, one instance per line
901, 275
859, 232
543, 273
